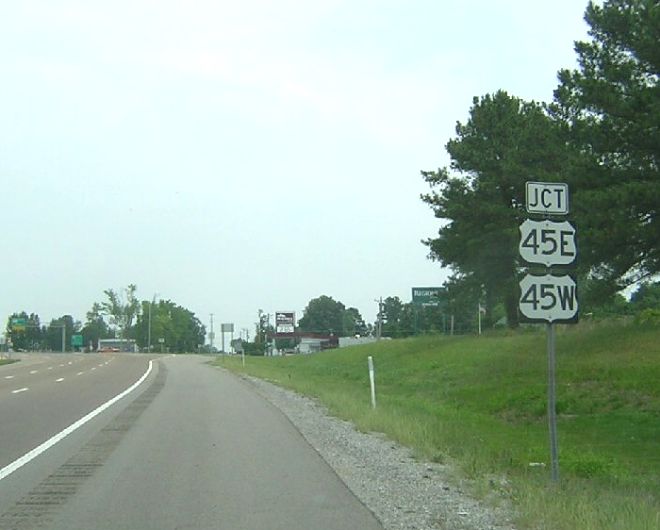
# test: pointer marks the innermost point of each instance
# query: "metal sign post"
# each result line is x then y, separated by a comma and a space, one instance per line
552, 405
548, 297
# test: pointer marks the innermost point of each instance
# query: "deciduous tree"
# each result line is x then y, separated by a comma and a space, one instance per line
122, 308
323, 315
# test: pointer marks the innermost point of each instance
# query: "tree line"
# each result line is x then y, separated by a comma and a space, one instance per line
119, 315
600, 134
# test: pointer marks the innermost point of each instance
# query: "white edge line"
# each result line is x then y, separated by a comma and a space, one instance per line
27, 457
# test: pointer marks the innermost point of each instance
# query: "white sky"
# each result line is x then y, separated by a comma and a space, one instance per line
233, 156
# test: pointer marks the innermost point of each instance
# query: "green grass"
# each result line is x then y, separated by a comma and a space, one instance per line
7, 361
480, 402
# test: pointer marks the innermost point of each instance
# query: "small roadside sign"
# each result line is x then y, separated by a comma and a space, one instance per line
548, 298
547, 242
549, 198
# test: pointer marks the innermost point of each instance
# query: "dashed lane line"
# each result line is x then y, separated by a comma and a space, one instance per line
59, 380
20, 462
19, 390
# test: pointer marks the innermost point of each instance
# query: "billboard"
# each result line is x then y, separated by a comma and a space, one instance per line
227, 328
285, 322
428, 296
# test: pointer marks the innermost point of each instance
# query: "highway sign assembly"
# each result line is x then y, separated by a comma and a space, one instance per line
549, 297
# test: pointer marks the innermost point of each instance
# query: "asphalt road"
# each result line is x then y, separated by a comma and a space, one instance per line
190, 448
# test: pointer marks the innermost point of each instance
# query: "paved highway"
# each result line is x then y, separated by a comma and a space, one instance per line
190, 447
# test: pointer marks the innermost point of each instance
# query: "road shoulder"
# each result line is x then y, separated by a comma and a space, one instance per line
402, 492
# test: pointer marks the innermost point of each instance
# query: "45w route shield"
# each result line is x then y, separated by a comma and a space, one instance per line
548, 298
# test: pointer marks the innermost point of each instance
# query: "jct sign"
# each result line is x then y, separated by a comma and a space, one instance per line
547, 197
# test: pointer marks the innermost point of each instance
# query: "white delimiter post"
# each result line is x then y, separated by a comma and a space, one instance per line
372, 381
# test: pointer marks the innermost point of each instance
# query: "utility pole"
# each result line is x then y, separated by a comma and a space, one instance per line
265, 320
379, 322
211, 333
153, 301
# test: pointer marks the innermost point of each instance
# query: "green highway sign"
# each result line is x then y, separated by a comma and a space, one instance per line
76, 340
18, 324
429, 296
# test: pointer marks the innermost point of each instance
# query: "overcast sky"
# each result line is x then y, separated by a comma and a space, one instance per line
244, 155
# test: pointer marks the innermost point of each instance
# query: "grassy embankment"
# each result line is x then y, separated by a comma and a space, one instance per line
480, 403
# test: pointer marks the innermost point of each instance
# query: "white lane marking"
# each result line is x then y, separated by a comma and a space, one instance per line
50, 367
31, 455
24, 389
62, 364
93, 368
80, 373
70, 363
59, 380
101, 364
33, 371
9, 377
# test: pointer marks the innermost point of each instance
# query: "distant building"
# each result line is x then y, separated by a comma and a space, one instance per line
355, 341
314, 342
123, 345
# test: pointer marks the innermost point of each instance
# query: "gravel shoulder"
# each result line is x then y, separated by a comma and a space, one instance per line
404, 493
